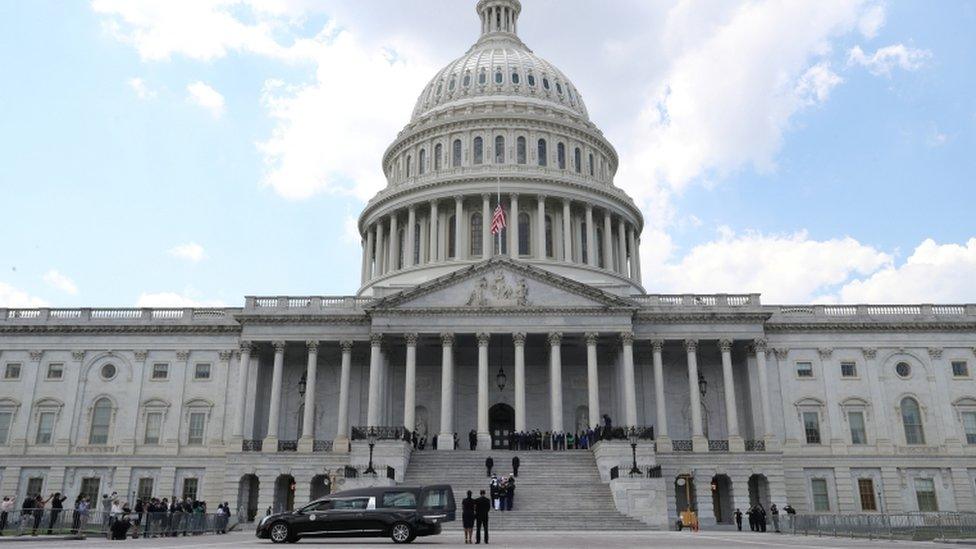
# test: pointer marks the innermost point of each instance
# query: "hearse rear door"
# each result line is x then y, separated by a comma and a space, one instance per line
437, 503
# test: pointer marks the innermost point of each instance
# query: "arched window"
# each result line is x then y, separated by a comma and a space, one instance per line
479, 150
561, 156
453, 84
549, 237
520, 150
476, 234
456, 154
584, 258
438, 150
499, 150
545, 82
416, 244
531, 79
592, 171
401, 245
451, 236
543, 156
599, 247
467, 79
577, 160
408, 165
100, 421
559, 88
421, 160
911, 418
515, 77
525, 234
482, 77
498, 77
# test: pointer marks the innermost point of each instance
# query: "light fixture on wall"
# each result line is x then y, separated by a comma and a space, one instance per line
501, 378
702, 385
302, 384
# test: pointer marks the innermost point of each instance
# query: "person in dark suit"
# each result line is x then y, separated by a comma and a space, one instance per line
482, 506
467, 516
489, 464
738, 519
515, 465
473, 439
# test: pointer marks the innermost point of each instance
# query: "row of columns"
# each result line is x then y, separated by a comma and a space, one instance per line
381, 254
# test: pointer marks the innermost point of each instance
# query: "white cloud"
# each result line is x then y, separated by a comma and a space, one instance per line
934, 273
173, 299
883, 60
61, 282
142, 91
12, 297
871, 21
815, 84
203, 95
191, 251
350, 230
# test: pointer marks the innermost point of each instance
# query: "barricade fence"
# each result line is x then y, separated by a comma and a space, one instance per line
913, 526
98, 523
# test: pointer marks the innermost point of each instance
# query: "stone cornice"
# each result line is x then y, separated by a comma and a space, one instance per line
118, 329
679, 317
302, 318
862, 326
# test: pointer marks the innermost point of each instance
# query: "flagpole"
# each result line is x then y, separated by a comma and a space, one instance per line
498, 180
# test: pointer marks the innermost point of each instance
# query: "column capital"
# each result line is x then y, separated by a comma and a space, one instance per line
433, 203
483, 339
226, 355
458, 198
542, 198
589, 208
411, 338
513, 195
346, 345
781, 353
412, 208
657, 345
627, 338
591, 337
485, 196
141, 355
375, 339
519, 338
555, 338
869, 352
246, 346
760, 344
567, 201
691, 345
312, 345
183, 355
279, 346
447, 339
725, 345
80, 355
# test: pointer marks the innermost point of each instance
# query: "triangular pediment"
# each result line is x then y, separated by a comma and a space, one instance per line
501, 283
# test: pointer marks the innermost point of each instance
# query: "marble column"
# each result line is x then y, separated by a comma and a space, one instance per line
519, 339
410, 383
243, 372
875, 382
632, 243
363, 270
513, 226
445, 440
592, 379
484, 435
661, 430
380, 255
622, 247
698, 440
607, 241
341, 443
567, 232
630, 385
591, 246
375, 365
555, 381
540, 250
306, 442
637, 259
459, 227
432, 248
736, 444
271, 439
394, 246
760, 347
411, 240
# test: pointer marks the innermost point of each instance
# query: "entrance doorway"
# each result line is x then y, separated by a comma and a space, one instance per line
284, 497
684, 494
722, 499
247, 497
759, 490
501, 423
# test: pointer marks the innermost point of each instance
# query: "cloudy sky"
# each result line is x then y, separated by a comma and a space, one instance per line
191, 152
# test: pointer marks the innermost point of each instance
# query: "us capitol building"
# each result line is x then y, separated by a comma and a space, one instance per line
830, 408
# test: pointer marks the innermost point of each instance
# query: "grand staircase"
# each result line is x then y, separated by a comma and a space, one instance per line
554, 490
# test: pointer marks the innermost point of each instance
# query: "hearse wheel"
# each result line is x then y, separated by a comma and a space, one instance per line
280, 533
401, 533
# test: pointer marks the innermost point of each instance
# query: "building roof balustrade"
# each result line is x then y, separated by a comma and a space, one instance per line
121, 315
304, 304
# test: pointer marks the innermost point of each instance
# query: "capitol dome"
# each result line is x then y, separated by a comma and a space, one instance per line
500, 126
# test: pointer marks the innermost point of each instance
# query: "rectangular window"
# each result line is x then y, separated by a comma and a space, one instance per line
154, 427
865, 488
925, 495
12, 371
55, 370
969, 424
811, 425
5, 418
45, 428
190, 488
89, 487
35, 485
399, 500
195, 436
201, 371
821, 498
848, 369
960, 368
160, 370
145, 491
804, 369
858, 432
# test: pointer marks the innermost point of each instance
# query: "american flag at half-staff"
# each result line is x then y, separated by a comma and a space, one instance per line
498, 218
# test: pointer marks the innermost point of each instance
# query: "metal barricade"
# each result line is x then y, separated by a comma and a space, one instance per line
908, 526
67, 522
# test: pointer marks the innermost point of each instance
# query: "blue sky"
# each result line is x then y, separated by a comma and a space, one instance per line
177, 153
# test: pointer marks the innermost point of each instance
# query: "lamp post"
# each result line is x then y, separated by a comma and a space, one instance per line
632, 435
371, 439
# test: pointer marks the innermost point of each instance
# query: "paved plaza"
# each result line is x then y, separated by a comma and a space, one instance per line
601, 540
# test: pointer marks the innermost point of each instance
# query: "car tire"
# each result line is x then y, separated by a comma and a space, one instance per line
279, 532
401, 532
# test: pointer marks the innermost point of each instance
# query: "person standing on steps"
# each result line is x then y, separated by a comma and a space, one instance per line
482, 506
473, 439
509, 493
515, 465
774, 514
489, 464
738, 519
467, 516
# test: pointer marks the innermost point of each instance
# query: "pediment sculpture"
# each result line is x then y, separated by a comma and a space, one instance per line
495, 290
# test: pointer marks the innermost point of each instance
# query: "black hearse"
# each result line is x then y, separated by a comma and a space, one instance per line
395, 511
